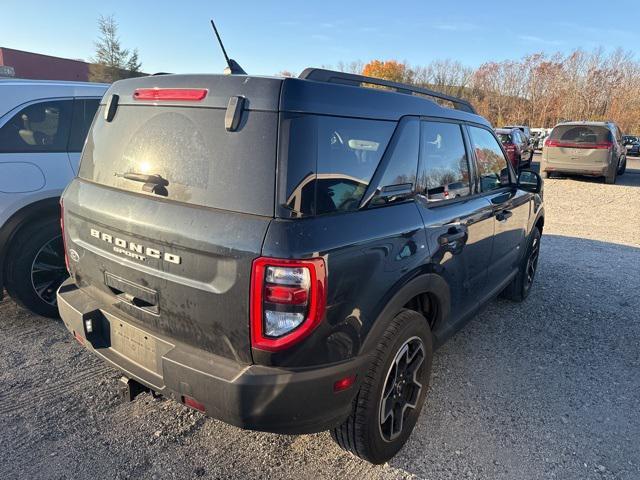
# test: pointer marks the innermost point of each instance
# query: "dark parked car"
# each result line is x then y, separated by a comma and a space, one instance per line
519, 149
523, 128
632, 145
266, 250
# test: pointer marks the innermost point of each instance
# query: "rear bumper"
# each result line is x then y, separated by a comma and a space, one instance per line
596, 170
248, 396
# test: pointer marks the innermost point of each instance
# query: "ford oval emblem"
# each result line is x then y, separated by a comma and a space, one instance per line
74, 255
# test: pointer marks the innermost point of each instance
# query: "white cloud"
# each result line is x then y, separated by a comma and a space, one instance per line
534, 39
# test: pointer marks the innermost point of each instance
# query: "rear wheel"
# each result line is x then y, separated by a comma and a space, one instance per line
391, 396
36, 268
611, 178
622, 167
520, 286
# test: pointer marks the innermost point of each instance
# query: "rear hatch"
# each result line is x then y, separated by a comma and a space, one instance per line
170, 208
579, 146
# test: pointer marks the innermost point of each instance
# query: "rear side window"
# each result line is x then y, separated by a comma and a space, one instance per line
492, 164
444, 167
40, 127
581, 134
328, 162
83, 113
190, 148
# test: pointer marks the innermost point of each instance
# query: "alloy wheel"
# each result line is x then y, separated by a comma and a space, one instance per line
401, 388
48, 270
532, 261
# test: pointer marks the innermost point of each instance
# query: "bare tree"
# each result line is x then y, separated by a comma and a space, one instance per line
538, 89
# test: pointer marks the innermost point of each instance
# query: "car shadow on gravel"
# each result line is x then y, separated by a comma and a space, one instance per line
543, 389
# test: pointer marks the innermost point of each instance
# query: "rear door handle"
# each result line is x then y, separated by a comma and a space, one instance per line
502, 215
453, 236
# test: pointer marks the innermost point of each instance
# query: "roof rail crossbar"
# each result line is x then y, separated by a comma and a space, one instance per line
330, 76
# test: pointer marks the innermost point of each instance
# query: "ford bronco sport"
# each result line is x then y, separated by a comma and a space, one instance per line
276, 253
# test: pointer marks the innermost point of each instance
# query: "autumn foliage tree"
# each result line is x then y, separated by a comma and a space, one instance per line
389, 70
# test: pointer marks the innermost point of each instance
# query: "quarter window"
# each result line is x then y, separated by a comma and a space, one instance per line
492, 164
40, 127
444, 167
330, 161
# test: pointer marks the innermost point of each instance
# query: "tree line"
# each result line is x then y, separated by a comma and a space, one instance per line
539, 90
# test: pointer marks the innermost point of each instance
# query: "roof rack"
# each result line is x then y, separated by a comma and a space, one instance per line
330, 76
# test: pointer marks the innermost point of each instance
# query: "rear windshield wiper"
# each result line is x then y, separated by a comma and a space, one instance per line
152, 183
144, 178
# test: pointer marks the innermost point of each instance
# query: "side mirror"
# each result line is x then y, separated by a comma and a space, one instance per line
530, 181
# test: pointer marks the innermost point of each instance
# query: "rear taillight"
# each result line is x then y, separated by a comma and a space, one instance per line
587, 146
64, 239
288, 299
167, 94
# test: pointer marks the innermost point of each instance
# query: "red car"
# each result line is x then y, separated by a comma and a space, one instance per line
517, 147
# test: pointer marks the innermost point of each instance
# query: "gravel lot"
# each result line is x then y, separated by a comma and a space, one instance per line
546, 389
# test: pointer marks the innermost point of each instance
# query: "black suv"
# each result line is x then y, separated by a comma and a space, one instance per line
278, 253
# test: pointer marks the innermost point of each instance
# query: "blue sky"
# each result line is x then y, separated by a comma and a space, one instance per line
267, 37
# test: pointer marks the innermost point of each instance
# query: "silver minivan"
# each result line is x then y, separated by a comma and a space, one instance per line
585, 148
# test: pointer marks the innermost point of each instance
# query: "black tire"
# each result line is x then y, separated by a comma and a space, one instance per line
42, 241
623, 167
520, 287
611, 179
363, 433
530, 159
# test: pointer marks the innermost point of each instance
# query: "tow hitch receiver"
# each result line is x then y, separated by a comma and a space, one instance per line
129, 389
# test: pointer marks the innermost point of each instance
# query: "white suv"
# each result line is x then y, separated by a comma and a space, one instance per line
43, 125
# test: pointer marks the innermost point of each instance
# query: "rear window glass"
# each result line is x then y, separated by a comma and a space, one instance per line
190, 148
328, 161
581, 134
504, 137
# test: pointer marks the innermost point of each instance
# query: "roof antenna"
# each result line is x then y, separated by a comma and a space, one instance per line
232, 68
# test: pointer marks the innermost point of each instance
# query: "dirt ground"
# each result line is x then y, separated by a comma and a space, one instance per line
545, 389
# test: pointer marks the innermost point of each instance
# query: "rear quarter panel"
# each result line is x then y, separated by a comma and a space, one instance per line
369, 255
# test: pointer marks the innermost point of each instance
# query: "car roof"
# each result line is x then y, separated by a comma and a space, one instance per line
505, 130
297, 95
16, 92
595, 124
